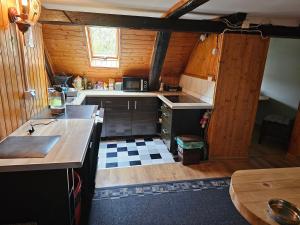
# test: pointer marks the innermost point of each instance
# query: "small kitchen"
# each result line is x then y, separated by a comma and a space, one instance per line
136, 105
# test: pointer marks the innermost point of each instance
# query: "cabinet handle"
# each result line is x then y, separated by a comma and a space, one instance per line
165, 114
134, 104
165, 131
128, 105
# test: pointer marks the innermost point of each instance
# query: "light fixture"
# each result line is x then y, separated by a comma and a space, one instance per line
29, 13
202, 37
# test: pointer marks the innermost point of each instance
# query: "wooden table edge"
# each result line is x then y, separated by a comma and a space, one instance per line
242, 209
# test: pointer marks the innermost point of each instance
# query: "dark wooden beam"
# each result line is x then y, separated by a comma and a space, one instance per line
139, 22
162, 24
236, 18
183, 7
158, 57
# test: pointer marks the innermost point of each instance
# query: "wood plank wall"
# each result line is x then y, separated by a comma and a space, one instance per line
180, 48
3, 16
202, 63
35, 69
17, 62
67, 47
238, 85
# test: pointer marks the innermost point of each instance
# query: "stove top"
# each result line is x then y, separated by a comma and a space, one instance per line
183, 99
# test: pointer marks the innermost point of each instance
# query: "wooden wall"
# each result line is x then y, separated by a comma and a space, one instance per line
35, 69
241, 68
202, 63
180, 47
294, 148
18, 64
3, 15
67, 47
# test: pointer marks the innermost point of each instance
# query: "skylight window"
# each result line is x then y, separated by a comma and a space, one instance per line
103, 46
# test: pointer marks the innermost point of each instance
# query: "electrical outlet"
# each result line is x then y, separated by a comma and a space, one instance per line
30, 94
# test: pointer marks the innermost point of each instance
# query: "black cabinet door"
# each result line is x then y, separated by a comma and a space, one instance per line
94, 101
117, 117
144, 115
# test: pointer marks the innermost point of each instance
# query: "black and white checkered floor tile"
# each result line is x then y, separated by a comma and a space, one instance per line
133, 152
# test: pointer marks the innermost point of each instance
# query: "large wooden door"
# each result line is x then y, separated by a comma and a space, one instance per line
294, 148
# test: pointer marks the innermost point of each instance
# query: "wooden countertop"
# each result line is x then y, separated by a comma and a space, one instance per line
69, 152
250, 191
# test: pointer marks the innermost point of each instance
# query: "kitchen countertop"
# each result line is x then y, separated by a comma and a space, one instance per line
73, 112
69, 152
97, 93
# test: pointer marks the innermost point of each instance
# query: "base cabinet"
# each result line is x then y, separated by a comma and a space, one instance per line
177, 122
127, 116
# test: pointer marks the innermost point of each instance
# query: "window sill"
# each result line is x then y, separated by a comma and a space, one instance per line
99, 63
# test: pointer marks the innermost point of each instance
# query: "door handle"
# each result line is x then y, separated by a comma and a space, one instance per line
135, 105
128, 105
165, 114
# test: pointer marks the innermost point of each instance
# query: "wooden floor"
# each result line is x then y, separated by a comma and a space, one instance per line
260, 157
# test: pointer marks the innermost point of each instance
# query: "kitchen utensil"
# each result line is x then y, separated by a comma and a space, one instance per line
283, 212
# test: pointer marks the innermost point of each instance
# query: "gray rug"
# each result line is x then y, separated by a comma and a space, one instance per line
196, 202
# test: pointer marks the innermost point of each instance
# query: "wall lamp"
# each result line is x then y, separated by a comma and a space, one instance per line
27, 16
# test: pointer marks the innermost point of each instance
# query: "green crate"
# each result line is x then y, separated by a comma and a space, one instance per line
187, 143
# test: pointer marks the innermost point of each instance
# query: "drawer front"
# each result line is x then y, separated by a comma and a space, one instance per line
116, 103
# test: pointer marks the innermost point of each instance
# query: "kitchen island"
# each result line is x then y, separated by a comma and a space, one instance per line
44, 190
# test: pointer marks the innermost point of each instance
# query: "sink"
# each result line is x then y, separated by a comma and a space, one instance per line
27, 146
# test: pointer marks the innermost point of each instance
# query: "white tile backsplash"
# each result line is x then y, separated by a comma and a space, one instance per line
199, 88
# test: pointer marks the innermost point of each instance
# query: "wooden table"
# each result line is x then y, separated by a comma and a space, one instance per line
250, 191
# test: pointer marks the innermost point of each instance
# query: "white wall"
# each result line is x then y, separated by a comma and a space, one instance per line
281, 80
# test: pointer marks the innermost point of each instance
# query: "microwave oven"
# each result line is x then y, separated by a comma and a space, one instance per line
135, 84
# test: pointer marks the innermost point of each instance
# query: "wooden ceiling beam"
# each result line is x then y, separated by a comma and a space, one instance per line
183, 7
135, 22
236, 18
162, 24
